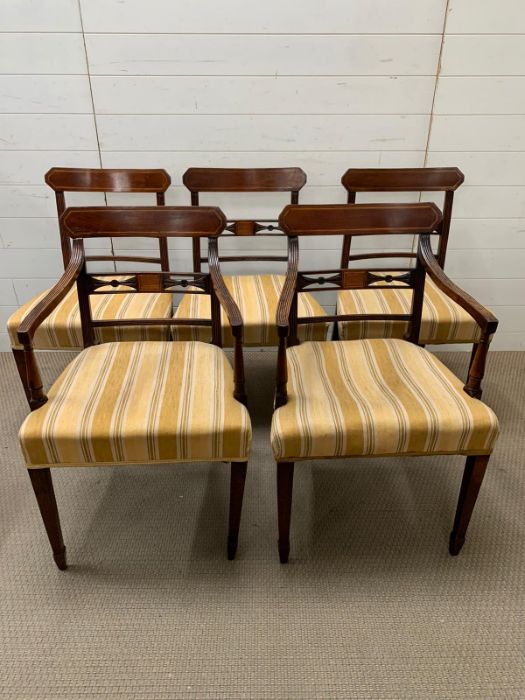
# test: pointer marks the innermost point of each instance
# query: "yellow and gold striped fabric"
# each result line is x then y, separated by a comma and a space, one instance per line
62, 328
141, 402
257, 297
376, 397
442, 320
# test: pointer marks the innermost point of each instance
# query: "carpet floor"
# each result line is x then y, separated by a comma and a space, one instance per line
371, 604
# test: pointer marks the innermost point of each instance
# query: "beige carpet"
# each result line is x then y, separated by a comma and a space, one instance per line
370, 606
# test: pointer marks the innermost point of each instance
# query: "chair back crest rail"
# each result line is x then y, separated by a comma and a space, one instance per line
421, 219
240, 180
83, 223
445, 180
113, 180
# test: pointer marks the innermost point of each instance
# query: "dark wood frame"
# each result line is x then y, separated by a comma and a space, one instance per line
112, 180
445, 180
106, 180
82, 223
422, 219
239, 180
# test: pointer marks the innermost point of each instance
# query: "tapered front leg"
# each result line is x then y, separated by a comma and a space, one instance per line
237, 481
45, 496
284, 507
475, 468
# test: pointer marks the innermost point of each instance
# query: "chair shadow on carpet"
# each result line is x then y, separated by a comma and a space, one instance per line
172, 526
370, 507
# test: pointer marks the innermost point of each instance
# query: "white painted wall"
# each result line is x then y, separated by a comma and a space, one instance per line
325, 86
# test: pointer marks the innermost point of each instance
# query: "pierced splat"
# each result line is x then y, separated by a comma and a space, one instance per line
96, 284
404, 279
309, 280
355, 279
149, 282
201, 281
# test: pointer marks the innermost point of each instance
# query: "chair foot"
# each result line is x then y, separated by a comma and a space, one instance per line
284, 507
60, 559
473, 474
232, 547
455, 543
237, 481
284, 550
45, 496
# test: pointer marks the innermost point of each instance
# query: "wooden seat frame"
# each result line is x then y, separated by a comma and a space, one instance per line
106, 180
422, 220
82, 223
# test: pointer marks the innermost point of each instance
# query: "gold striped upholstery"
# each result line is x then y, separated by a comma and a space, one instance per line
376, 397
63, 329
442, 320
141, 402
257, 297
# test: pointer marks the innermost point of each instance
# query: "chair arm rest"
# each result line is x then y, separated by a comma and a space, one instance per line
234, 316
286, 308
221, 290
483, 317
41, 311
284, 305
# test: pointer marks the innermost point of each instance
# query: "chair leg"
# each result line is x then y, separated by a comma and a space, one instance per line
237, 481
284, 507
45, 496
18, 354
475, 468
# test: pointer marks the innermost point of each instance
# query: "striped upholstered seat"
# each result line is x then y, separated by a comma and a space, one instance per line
257, 297
442, 320
376, 397
141, 402
62, 329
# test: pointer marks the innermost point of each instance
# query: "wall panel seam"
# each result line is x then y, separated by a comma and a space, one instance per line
93, 106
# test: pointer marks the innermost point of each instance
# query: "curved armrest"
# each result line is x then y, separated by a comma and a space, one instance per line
28, 326
284, 306
483, 317
286, 312
221, 290
234, 317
